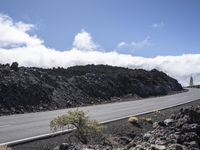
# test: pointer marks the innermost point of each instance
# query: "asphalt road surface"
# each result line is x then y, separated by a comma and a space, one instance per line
17, 127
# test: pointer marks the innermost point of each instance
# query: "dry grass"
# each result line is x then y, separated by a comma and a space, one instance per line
158, 112
4, 147
133, 120
148, 120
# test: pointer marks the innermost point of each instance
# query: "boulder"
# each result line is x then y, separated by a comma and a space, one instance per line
168, 121
158, 147
147, 136
64, 146
176, 147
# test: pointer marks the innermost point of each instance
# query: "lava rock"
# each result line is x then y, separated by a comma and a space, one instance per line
168, 121
24, 89
147, 136
64, 146
180, 133
176, 147
14, 66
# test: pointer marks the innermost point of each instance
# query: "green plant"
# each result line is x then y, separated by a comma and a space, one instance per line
85, 127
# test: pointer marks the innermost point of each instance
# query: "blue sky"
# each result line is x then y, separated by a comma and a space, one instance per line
169, 27
147, 34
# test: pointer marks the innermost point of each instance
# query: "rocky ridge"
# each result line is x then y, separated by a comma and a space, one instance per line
24, 89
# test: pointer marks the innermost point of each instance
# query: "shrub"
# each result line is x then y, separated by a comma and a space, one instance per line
133, 120
4, 147
148, 120
85, 127
158, 112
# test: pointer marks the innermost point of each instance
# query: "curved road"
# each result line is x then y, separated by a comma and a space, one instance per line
17, 127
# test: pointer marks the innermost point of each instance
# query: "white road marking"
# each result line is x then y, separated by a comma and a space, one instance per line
6, 125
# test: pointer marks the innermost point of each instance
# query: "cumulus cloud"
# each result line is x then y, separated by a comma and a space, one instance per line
83, 41
15, 34
158, 25
135, 44
85, 51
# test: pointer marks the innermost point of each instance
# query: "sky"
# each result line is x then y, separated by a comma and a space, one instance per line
130, 33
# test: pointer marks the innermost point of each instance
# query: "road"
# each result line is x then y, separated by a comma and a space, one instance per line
16, 127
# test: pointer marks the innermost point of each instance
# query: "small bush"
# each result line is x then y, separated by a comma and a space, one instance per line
133, 120
85, 127
158, 112
4, 147
148, 120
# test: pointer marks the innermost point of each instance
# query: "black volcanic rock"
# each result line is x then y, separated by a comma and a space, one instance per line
182, 133
25, 89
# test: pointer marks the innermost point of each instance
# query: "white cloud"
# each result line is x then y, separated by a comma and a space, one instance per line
85, 52
24, 27
122, 44
158, 25
135, 44
84, 41
15, 34
141, 44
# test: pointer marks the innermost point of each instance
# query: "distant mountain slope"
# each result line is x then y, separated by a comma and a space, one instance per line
33, 89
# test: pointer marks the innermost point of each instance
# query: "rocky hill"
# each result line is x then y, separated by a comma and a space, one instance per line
25, 89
